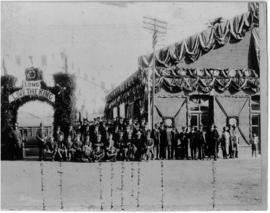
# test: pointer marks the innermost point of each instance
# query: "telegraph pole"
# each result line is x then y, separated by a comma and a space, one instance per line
158, 28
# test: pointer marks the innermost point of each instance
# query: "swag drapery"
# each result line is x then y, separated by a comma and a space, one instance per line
206, 80
131, 89
172, 77
175, 79
190, 49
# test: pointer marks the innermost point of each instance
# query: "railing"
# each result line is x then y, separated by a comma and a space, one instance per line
31, 131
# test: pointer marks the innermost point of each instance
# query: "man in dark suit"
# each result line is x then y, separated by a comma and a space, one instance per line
163, 142
174, 142
193, 142
213, 141
41, 141
156, 138
201, 143
17, 144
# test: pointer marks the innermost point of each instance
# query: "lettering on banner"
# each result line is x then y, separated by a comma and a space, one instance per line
42, 93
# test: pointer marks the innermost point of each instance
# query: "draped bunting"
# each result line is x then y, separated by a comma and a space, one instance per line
207, 85
175, 79
172, 77
190, 49
254, 51
131, 89
178, 72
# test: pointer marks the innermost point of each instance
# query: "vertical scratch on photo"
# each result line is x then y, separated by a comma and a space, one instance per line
111, 193
42, 185
162, 184
213, 184
61, 185
122, 185
100, 186
132, 177
138, 185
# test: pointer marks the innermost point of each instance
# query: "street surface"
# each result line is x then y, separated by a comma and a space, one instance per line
155, 185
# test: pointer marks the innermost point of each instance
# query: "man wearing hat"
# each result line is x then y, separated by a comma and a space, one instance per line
156, 138
139, 143
77, 146
163, 142
16, 141
99, 152
235, 141
40, 136
60, 152
213, 141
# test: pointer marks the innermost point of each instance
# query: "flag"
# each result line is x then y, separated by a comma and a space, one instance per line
154, 38
64, 58
102, 85
31, 59
43, 60
18, 60
4, 66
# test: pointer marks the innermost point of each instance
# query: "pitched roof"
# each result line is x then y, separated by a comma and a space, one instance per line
190, 49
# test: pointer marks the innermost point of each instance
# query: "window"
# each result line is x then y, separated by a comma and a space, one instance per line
200, 111
194, 120
115, 112
199, 103
255, 123
255, 103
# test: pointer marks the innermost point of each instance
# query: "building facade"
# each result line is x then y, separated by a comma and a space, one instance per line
210, 77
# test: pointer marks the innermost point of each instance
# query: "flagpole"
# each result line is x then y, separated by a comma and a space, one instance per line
153, 76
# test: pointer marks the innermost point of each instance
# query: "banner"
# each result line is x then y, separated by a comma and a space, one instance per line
31, 84
32, 91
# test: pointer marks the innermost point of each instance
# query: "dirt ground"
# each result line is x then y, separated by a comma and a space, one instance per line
155, 185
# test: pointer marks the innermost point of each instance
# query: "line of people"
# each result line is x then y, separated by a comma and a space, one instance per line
131, 140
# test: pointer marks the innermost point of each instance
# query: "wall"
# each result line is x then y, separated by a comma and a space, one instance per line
229, 56
234, 106
170, 105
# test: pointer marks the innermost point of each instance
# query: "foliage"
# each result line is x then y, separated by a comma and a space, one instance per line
65, 111
7, 87
64, 106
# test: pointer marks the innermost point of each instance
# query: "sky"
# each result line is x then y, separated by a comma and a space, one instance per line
102, 41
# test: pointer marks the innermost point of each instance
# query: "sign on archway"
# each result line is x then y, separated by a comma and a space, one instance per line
32, 87
32, 91
60, 96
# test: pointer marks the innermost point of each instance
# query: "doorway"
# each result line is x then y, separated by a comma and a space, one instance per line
201, 111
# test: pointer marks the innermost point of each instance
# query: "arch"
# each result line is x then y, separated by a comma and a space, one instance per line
20, 102
43, 112
63, 102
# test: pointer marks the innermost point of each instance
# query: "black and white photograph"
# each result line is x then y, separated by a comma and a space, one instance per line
134, 105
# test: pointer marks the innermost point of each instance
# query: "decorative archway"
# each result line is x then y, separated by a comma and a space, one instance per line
60, 96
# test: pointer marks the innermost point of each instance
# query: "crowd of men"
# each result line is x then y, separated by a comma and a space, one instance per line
129, 140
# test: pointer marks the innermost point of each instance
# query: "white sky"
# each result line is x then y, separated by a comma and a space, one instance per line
102, 40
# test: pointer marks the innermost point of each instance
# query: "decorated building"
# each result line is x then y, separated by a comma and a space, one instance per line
210, 77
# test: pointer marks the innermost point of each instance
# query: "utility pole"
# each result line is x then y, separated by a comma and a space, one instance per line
158, 28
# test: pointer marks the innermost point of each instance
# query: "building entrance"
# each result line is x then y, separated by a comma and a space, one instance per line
201, 111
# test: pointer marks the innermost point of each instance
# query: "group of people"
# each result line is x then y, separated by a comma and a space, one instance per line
129, 140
